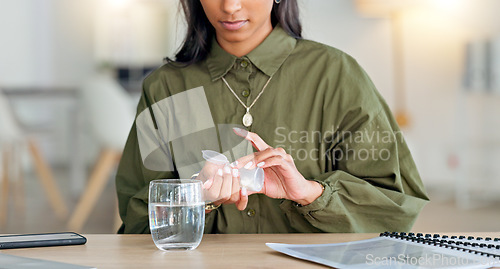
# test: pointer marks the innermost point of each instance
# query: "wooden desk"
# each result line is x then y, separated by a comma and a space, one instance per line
215, 251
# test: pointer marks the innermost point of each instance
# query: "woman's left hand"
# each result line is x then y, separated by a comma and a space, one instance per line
281, 177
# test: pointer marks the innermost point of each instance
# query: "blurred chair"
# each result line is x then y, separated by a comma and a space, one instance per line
111, 114
12, 140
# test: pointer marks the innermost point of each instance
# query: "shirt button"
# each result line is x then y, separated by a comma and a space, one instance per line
244, 63
251, 212
245, 93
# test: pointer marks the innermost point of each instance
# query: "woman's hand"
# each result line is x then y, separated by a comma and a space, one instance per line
281, 177
221, 185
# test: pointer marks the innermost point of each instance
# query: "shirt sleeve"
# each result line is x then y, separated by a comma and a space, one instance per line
371, 183
132, 181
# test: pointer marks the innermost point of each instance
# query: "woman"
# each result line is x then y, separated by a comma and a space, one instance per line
333, 156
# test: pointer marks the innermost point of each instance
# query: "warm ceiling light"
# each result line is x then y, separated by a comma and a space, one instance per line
119, 3
446, 4
383, 8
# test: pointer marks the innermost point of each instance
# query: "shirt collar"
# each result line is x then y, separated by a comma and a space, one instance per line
268, 56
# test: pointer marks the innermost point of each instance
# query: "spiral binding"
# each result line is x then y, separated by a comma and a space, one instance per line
448, 242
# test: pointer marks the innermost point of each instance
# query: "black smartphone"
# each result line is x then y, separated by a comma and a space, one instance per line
41, 240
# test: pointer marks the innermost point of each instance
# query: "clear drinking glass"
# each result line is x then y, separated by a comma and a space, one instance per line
176, 213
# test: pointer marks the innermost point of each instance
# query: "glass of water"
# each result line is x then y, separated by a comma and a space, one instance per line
176, 213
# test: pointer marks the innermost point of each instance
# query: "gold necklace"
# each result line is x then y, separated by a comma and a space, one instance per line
247, 118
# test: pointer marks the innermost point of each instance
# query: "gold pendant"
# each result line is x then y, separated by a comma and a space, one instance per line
247, 119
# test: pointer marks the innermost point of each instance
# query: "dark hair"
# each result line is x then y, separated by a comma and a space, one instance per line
200, 32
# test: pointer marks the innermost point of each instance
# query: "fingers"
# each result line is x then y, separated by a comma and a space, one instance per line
227, 183
245, 160
281, 150
208, 184
251, 161
272, 161
261, 156
208, 173
242, 203
212, 190
257, 142
241, 132
260, 159
224, 187
235, 190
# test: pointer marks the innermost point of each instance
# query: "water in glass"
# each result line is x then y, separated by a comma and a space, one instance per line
176, 215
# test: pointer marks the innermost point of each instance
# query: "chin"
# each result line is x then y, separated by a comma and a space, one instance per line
236, 36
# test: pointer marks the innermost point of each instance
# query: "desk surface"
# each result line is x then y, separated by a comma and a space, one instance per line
215, 251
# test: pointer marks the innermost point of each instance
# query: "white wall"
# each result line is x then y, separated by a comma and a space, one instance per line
336, 23
444, 118
45, 42
52, 43
18, 45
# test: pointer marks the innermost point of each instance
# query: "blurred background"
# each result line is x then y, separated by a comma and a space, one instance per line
436, 62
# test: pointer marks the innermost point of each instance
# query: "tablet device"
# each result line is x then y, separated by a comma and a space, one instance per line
41, 240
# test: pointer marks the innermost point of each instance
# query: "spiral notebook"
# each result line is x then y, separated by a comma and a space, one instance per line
401, 250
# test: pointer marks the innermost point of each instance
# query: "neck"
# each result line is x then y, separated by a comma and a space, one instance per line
242, 48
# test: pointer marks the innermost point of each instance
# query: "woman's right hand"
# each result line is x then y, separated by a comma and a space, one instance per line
221, 185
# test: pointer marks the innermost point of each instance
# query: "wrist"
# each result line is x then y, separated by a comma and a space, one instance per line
315, 190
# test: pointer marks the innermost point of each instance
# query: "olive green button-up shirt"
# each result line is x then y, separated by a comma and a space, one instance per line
320, 106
